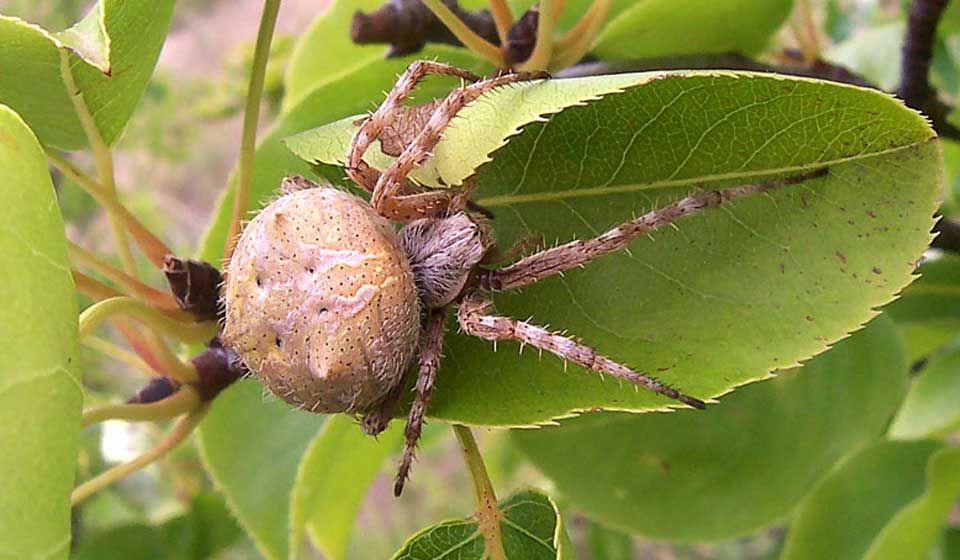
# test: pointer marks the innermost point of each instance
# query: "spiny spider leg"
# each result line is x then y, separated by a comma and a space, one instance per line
558, 259
474, 321
357, 169
387, 199
430, 355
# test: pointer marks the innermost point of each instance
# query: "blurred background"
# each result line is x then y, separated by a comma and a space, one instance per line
172, 163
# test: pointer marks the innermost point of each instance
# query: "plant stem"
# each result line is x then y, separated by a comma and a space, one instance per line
185, 400
150, 244
575, 43
182, 329
502, 18
93, 289
488, 516
148, 294
102, 158
119, 354
180, 432
543, 48
464, 34
251, 117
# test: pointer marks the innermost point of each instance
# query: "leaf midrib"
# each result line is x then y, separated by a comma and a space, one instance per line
512, 199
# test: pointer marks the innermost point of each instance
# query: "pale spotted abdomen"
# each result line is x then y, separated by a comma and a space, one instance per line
320, 301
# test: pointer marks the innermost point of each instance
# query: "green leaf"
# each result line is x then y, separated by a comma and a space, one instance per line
332, 481
932, 407
201, 533
889, 501
928, 313
655, 28
251, 447
120, 41
531, 527
324, 52
40, 393
686, 476
759, 284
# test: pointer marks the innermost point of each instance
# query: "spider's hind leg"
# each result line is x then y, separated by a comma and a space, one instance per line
430, 355
475, 321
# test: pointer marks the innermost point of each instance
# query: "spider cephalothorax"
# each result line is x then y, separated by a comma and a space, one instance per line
329, 306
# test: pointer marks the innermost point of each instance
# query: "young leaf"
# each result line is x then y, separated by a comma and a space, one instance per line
759, 284
928, 313
119, 41
889, 501
251, 449
332, 481
686, 476
932, 407
531, 526
40, 394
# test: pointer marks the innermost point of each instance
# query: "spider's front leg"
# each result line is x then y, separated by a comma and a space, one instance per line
388, 198
556, 260
430, 354
357, 169
475, 321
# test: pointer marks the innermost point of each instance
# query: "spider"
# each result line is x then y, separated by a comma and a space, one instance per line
329, 305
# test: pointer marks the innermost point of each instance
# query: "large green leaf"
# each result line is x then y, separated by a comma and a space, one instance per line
687, 475
888, 502
251, 446
652, 28
932, 407
531, 528
40, 393
241, 424
119, 40
759, 284
334, 475
928, 314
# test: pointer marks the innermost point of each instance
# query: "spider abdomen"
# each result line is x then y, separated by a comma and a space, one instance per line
320, 302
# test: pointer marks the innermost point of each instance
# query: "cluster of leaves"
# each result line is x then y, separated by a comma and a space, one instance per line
763, 284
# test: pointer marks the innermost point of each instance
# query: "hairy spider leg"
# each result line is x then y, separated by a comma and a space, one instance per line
561, 258
357, 169
387, 198
474, 320
430, 355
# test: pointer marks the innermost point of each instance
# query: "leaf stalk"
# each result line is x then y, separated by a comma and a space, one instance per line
488, 516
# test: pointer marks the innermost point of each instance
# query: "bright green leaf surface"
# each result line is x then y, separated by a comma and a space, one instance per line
334, 475
759, 284
652, 28
932, 407
888, 502
531, 527
40, 395
928, 313
30, 82
251, 446
686, 475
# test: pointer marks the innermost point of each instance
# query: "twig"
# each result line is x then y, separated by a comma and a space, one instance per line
185, 400
251, 116
470, 38
488, 516
407, 25
948, 238
180, 432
